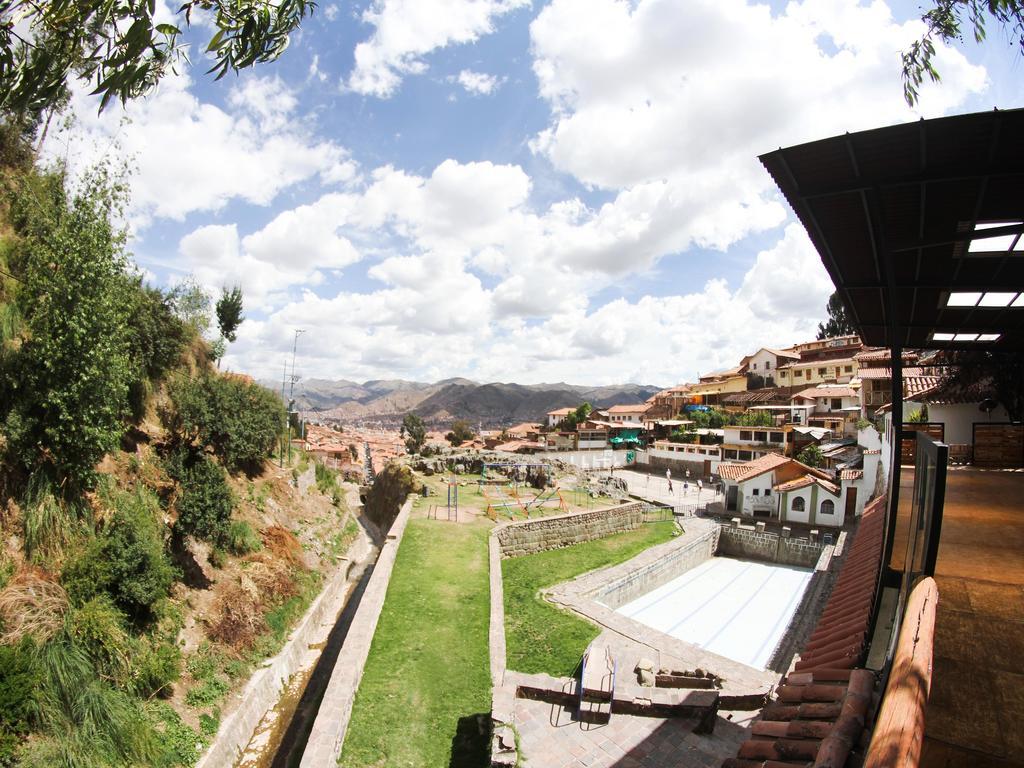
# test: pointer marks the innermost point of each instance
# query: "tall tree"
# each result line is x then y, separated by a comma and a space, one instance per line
229, 312
120, 47
64, 389
414, 431
838, 323
945, 21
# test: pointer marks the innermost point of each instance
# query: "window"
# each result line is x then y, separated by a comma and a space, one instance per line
755, 366
757, 491
761, 437
745, 456
777, 437
827, 507
837, 403
821, 371
798, 504
767, 365
730, 454
848, 368
746, 434
798, 374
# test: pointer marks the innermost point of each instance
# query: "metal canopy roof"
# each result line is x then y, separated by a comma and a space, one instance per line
907, 215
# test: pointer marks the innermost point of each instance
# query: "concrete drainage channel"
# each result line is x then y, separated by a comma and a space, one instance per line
278, 720
292, 719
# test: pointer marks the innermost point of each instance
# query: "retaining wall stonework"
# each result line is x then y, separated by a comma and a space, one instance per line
529, 536
331, 724
651, 569
768, 547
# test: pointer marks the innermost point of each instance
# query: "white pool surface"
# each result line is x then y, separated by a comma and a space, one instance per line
735, 608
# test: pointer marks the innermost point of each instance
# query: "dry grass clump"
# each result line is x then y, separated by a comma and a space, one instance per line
32, 604
268, 581
282, 544
273, 578
239, 618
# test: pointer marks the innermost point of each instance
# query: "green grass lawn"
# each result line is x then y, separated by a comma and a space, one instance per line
428, 674
540, 637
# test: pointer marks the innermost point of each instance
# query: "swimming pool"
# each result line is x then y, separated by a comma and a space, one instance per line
739, 609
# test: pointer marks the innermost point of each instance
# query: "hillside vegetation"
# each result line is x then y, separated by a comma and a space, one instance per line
149, 554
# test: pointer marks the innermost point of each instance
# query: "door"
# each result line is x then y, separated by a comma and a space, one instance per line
851, 502
730, 498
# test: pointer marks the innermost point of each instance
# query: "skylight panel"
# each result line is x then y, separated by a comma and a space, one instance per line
963, 299
988, 299
997, 244
965, 337
989, 336
942, 337
997, 299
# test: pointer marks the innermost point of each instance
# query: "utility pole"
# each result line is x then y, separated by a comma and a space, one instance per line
284, 432
291, 390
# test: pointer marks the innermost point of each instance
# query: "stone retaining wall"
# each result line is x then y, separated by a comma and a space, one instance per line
529, 536
768, 547
651, 569
331, 724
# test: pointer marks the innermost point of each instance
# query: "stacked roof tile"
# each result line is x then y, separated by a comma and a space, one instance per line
821, 707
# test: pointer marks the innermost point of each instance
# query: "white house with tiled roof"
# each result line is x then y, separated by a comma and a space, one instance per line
628, 414
765, 362
555, 416
774, 487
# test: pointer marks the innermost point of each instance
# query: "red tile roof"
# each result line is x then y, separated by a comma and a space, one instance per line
634, 408
803, 482
772, 394
886, 373
820, 708
883, 354
523, 428
918, 385
747, 470
561, 412
952, 392
851, 474
827, 392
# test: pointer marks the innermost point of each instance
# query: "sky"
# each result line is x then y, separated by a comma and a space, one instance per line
512, 191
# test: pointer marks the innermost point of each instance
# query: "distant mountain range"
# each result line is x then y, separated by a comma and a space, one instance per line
439, 404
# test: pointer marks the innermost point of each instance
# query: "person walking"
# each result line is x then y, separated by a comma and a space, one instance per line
668, 476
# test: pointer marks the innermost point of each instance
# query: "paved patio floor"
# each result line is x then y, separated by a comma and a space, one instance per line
551, 737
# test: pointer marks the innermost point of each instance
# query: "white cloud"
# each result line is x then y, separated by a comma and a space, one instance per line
477, 83
331, 12
406, 30
193, 156
432, 319
669, 109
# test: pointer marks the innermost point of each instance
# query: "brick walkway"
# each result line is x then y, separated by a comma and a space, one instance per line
550, 737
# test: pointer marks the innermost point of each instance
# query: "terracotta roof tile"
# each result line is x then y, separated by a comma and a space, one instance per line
851, 474
820, 708
634, 408
747, 470
827, 392
803, 482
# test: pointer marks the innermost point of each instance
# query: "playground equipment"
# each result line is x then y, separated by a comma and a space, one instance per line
452, 505
505, 495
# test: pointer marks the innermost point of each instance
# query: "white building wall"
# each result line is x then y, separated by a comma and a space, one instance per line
959, 420
793, 516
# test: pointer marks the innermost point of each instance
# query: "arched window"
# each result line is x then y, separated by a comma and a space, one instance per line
827, 507
798, 504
